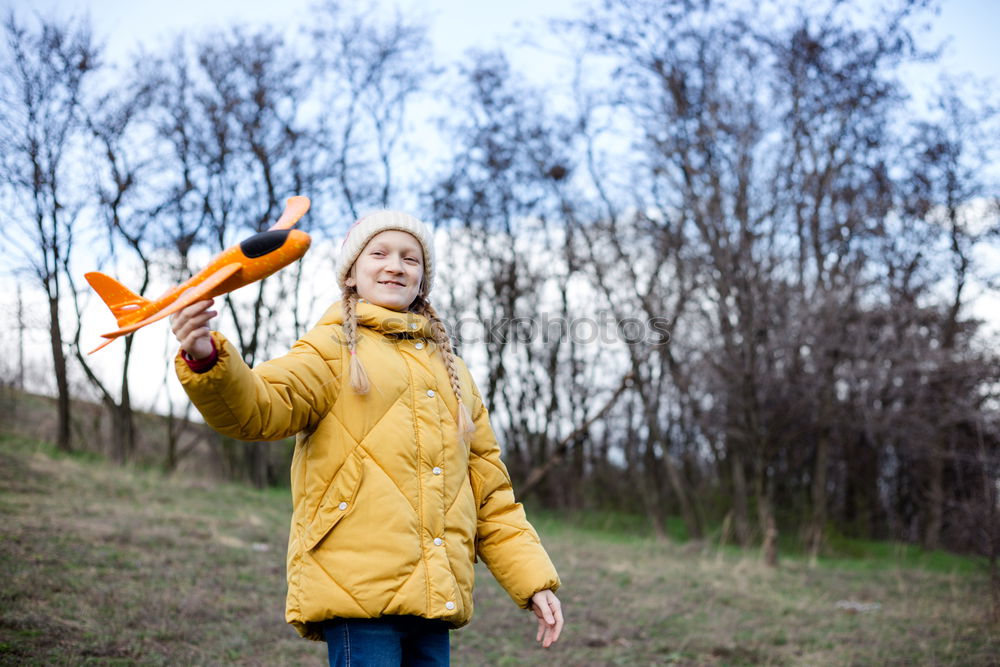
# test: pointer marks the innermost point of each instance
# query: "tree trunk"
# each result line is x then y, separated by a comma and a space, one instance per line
122, 432
20, 339
62, 381
740, 499
818, 521
995, 588
651, 491
770, 548
256, 463
692, 521
765, 515
935, 509
170, 460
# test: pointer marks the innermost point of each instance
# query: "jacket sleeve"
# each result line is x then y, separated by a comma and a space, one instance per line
276, 400
506, 542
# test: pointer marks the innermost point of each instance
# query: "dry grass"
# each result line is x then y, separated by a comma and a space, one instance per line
101, 565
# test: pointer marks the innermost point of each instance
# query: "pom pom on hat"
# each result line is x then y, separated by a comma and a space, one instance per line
371, 224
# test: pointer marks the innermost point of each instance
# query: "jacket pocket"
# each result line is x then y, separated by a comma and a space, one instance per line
338, 501
476, 483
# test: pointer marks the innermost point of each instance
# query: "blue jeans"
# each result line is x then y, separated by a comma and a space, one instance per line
389, 641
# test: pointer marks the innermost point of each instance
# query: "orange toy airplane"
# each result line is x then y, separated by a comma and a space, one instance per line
249, 261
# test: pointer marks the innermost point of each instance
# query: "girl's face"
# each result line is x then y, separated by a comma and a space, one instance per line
388, 272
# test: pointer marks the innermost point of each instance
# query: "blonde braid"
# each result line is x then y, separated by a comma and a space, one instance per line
359, 378
465, 425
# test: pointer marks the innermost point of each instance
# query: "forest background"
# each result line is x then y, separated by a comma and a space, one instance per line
728, 267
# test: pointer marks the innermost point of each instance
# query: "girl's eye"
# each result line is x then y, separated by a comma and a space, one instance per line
412, 260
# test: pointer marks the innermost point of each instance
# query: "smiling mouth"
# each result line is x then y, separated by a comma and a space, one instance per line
391, 283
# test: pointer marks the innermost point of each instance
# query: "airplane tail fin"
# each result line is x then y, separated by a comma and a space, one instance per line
125, 304
295, 208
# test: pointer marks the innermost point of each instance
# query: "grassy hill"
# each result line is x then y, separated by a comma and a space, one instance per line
104, 565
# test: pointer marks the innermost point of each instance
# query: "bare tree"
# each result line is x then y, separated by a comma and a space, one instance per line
773, 186
246, 119
123, 165
45, 69
496, 195
367, 65
945, 187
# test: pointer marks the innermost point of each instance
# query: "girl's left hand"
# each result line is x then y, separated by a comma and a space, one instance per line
548, 609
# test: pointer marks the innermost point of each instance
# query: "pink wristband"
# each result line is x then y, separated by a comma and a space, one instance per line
201, 365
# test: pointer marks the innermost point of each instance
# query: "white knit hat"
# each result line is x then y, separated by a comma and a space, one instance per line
371, 224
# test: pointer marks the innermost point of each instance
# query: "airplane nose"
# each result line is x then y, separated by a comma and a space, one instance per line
300, 238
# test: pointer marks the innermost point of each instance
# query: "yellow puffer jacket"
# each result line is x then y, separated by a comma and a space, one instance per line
389, 510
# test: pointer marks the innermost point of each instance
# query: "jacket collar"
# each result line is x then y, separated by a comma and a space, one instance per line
382, 320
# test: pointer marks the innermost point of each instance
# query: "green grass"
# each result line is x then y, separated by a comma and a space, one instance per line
849, 553
605, 525
120, 566
840, 552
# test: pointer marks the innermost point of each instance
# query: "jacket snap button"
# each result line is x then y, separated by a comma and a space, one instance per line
342, 506
430, 392
438, 541
436, 470
449, 605
413, 325
419, 345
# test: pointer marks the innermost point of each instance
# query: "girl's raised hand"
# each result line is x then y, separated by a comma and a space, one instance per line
548, 609
190, 326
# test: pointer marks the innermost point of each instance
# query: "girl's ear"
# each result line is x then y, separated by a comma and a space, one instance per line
350, 281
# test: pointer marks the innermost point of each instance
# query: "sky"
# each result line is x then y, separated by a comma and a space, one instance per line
457, 25
966, 27
971, 28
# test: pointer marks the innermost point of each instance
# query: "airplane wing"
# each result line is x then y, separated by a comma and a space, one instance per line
295, 208
196, 293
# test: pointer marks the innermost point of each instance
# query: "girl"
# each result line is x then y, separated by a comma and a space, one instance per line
397, 482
